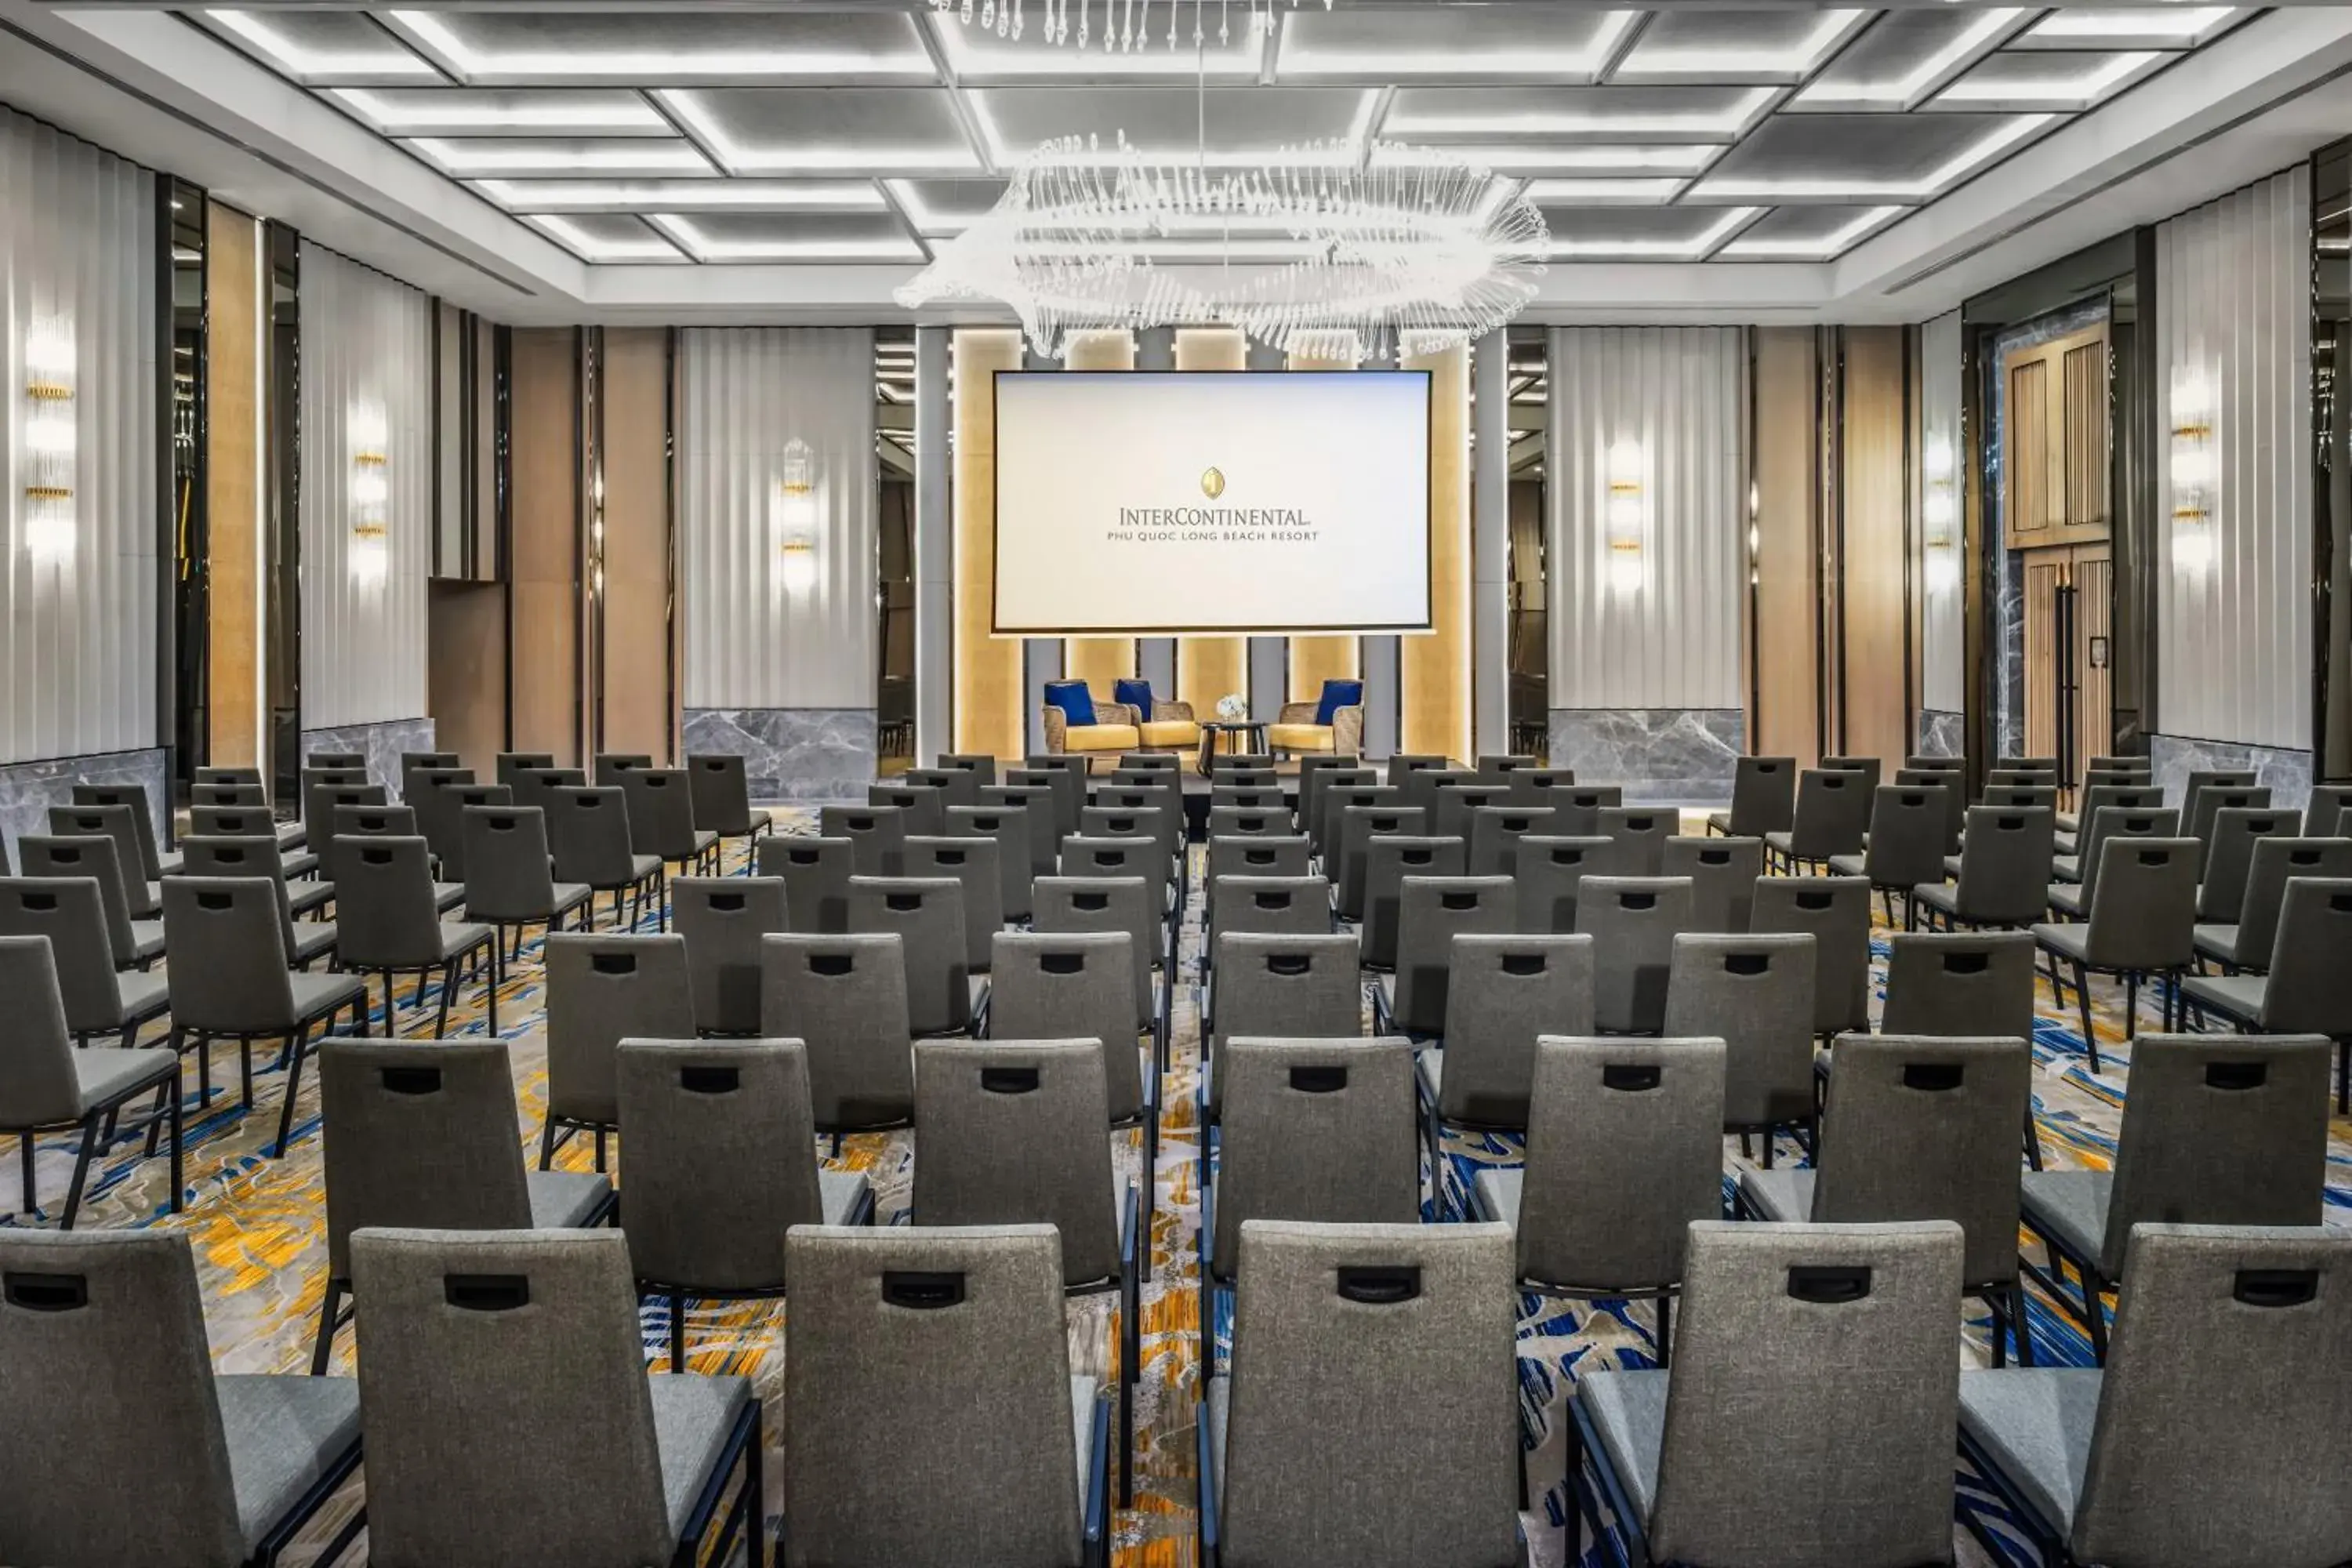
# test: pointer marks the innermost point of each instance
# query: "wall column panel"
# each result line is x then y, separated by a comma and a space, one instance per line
1099, 661
1314, 660
988, 669
233, 487
1876, 709
1785, 659
1435, 674
1209, 668
639, 685
544, 652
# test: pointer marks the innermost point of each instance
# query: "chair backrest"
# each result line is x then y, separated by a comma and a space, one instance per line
420, 1132
1909, 825
251, 797
1632, 921
1495, 834
411, 763
1765, 1307
1165, 800
2202, 779
2230, 858
1420, 786
1227, 821
2143, 914
1755, 994
1068, 787
2005, 860
1431, 912
1256, 856
1317, 1130
1271, 906
1331, 810
2019, 794
1637, 838
717, 1148
1388, 859
2268, 1478
1013, 827
507, 876
421, 788
1536, 787
844, 998
1045, 811
1287, 987
971, 862
1069, 905
229, 970
2305, 991
2136, 796
2324, 812
2117, 822
1134, 856
1722, 873
1428, 1472
1352, 833
879, 832
923, 806
112, 822
38, 1086
384, 913
1549, 872
1403, 766
1832, 811
2275, 861
1452, 804
531, 786
508, 763
1077, 986
242, 855
1013, 1134
441, 814
915, 1349
102, 1332
1763, 795
344, 760
209, 774
1959, 983
1836, 912
723, 920
1496, 767
1577, 808
97, 858
982, 766
661, 809
442, 1487
2207, 803
720, 788
2219, 1130
1315, 795
1315, 772
1150, 761
1251, 797
2012, 777
588, 831
1624, 1151
960, 786
1924, 764
65, 915
815, 873
926, 913
134, 799
340, 821
1508, 991
603, 989
1925, 1126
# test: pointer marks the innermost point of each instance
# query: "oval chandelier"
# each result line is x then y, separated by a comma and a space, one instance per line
1330, 249
1126, 25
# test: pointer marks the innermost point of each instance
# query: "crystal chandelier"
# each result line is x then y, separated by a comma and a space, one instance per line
1317, 249
1126, 25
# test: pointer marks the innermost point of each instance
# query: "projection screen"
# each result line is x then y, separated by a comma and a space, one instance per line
1152, 502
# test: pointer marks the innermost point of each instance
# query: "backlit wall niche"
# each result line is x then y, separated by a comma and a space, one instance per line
49, 441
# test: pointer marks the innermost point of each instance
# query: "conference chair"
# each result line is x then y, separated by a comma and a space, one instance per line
211, 775
1067, 906
1908, 825
1146, 762
1755, 994
1921, 1127
1843, 1331
1230, 821
1315, 801
1403, 765
95, 857
2303, 990
1315, 772
2004, 872
1354, 831
1921, 763
1249, 796
1496, 767
1420, 787
913, 1350
2143, 923
2107, 823
2171, 1459
1835, 912
423, 791
349, 759
509, 884
1548, 873
1624, 1150
256, 856
2324, 812
943, 997
1960, 983
1832, 814
1494, 836
1136, 856
1267, 906
1040, 802
410, 763
923, 806
622, 1465
1632, 921
1450, 814
1077, 724
1336, 801
723, 920
844, 999
1428, 1472
1508, 991
141, 895
815, 873
1333, 722
389, 924
1577, 808
321, 801
718, 1147
1763, 798
879, 832
960, 786
152, 864
603, 989
1147, 823
589, 831
1534, 788
1723, 874
1388, 859
661, 818
983, 765
507, 764
1162, 798
1431, 912
2014, 776
424, 1135
1868, 767
351, 823
2202, 779
441, 818
2074, 851
720, 791
1011, 829
2230, 856
1282, 987
249, 795
99, 999
973, 863
141, 1452
2207, 804
49, 1086
530, 784
1252, 856
2246, 946
610, 766
1068, 787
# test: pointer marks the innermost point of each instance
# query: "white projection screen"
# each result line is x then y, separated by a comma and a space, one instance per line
1152, 502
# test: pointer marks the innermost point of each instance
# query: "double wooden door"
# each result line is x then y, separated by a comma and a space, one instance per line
2069, 656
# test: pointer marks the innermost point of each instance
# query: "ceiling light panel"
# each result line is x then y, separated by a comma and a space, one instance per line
767, 237
1810, 234
1602, 192
2048, 79
586, 47
1576, 113
525, 157
2131, 27
1736, 46
1862, 159
1594, 159
832, 129
687, 195
1167, 119
471, 111
1906, 57
598, 237
938, 209
1500, 43
976, 55
1657, 234
320, 47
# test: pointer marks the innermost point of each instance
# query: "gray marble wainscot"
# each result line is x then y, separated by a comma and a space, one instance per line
2286, 774
1941, 733
381, 743
1664, 756
791, 753
27, 790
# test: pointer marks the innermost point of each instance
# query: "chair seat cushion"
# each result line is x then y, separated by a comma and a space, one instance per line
1719, 820
2069, 1207
2066, 898
1429, 1072
301, 898
170, 865
104, 1075
292, 836
1847, 866
2035, 1424
1100, 737
146, 939
1628, 1412
1952, 866
297, 863
565, 1200
1778, 842
284, 1433
1299, 737
457, 938
2066, 868
448, 895
1781, 1195
2067, 940
1942, 896
643, 866
142, 993
572, 895
841, 1195
1495, 1193
2064, 841
2238, 997
1170, 733
1082, 1431
314, 940
1217, 1408
2217, 941
693, 1416
316, 995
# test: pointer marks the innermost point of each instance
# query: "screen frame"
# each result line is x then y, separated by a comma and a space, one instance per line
1426, 625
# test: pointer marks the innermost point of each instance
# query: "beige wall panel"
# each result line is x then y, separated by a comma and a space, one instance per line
638, 712
232, 499
1099, 661
988, 699
1878, 719
466, 682
1211, 668
1434, 674
1786, 656
1314, 660
546, 516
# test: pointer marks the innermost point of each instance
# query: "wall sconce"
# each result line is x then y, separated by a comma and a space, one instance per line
2192, 471
50, 441
1936, 513
794, 518
369, 496
1627, 516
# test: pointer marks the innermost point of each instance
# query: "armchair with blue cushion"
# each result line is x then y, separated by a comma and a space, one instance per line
1332, 723
1077, 724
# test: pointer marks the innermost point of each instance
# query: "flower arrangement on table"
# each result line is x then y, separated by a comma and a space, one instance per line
1233, 707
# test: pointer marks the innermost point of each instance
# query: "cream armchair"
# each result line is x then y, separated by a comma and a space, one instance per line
1294, 731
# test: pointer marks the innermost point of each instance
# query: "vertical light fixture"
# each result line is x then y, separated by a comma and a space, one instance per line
1937, 514
2192, 471
370, 551
50, 441
1627, 515
793, 516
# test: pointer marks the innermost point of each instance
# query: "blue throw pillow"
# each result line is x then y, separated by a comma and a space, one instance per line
1135, 694
1077, 703
1338, 694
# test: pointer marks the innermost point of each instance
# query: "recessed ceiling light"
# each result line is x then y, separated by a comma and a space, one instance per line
453, 111
2181, 25
1901, 90
1003, 154
649, 249
1820, 247
1684, 157
1726, 121
972, 61
1392, 65
1691, 249
2007, 134
955, 156
310, 64
636, 196
1798, 60
2069, 92
1602, 193
623, 158
652, 64
704, 247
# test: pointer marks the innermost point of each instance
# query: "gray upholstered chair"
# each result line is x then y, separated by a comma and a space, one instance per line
510, 880
844, 999
321, 798
943, 997
1577, 808
2081, 1461
1496, 767
1069, 905
588, 829
1763, 798
2206, 805
1836, 912
661, 816
388, 925
1637, 838
716, 1147
1079, 986
1068, 784
1495, 834
1348, 860
292, 838
1535, 787
2245, 945
2131, 794
507, 764
1042, 803
1431, 912
1722, 873
1756, 994
914, 1349
1388, 859
1832, 814
424, 1135
971, 862
2219, 1129
410, 763
1314, 802
723, 920
603, 989
720, 790
2006, 856
141, 1452
1307, 987
1624, 1151
346, 760
879, 832
117, 823
96, 859
2323, 814
152, 863
1427, 1472
98, 998
2302, 989
1248, 856
1507, 991
2142, 924
1961, 983
1163, 825
350, 823
441, 818
1403, 764
530, 784
423, 791
983, 765
255, 855
815, 874
1451, 805
1953, 785
1634, 923
1243, 797
1271, 906
2230, 858
1010, 828
1134, 856
1316, 773
1670, 1453
1908, 825
1548, 870
623, 1466
2083, 868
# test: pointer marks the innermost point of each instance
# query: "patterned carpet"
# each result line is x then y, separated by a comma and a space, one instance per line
258, 1228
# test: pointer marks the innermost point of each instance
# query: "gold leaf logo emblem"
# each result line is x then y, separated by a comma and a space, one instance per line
1212, 484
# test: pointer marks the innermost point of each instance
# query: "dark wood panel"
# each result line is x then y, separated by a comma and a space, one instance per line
545, 649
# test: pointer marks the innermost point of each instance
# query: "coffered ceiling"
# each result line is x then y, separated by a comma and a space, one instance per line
804, 133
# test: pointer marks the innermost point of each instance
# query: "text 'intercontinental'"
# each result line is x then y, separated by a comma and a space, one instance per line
1158, 524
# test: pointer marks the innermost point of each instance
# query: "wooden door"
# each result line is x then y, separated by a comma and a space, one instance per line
2054, 442
2069, 656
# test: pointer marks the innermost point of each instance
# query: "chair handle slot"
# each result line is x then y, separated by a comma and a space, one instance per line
1377, 1286
63, 856
1637, 901
802, 857
2236, 1076
1008, 1080
2303, 856
1966, 963
1814, 900
1271, 901
1748, 963
1457, 902
1288, 963
710, 1079
1415, 857
1257, 857
375, 857
902, 903
949, 857
1524, 963
46, 1293
1933, 1077
727, 903
1062, 963
1828, 1285
2275, 1287
1714, 856
1092, 903
1328, 1078
612, 963
486, 1293
922, 1291
988, 824
410, 1079
2154, 857
38, 903
831, 965
2340, 903
2009, 824
1641, 824
216, 902
1630, 1078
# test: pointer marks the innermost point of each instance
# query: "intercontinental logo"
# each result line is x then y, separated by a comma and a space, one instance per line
1212, 483
1243, 522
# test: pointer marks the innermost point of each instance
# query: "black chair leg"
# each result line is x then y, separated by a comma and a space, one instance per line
293, 1086
2024, 1329
89, 1135
448, 982
546, 1145
600, 1150
2083, 999
179, 1157
24, 1170
1666, 1336
322, 1345
677, 1333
